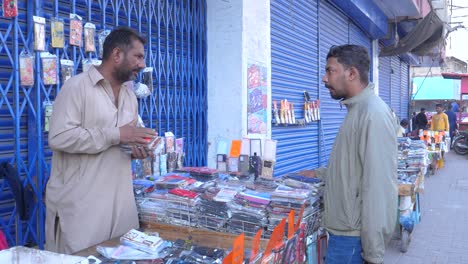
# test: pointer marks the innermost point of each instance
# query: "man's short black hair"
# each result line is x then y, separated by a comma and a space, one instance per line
352, 56
450, 106
423, 109
404, 122
121, 37
439, 105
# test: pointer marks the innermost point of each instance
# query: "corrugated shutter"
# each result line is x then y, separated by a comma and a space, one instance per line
176, 35
294, 64
385, 70
395, 99
357, 36
404, 90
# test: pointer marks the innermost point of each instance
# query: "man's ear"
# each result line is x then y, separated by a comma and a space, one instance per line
353, 74
116, 54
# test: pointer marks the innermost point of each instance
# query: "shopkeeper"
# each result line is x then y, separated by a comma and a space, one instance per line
89, 196
360, 195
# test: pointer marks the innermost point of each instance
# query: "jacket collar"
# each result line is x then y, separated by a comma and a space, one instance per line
366, 93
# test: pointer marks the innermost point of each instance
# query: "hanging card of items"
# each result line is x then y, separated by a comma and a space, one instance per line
26, 64
76, 30
49, 68
89, 34
66, 67
48, 108
58, 33
10, 8
39, 33
147, 78
269, 159
102, 36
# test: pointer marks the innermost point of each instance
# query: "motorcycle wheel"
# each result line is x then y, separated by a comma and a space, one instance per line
459, 150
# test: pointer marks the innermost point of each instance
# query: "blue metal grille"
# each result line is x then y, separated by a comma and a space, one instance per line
176, 49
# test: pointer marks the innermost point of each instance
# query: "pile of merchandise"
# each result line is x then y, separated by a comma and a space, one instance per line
226, 203
412, 155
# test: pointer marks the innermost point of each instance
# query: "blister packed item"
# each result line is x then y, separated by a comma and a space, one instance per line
147, 78
48, 108
171, 161
26, 64
58, 33
89, 35
169, 142
163, 164
25, 255
102, 37
144, 242
141, 90
39, 33
76, 30
127, 253
49, 68
179, 145
66, 69
10, 8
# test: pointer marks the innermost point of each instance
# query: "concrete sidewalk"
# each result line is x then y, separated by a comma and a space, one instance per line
442, 235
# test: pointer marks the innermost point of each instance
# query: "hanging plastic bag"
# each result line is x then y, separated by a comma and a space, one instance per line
49, 68
89, 33
26, 64
39, 33
58, 33
67, 67
76, 30
141, 90
10, 8
102, 37
147, 78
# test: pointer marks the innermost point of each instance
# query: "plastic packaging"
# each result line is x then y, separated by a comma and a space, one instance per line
89, 35
76, 30
10, 8
102, 37
66, 69
39, 33
58, 33
26, 64
147, 78
141, 90
49, 68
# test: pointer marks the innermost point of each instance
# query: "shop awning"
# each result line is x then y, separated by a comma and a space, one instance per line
427, 34
460, 76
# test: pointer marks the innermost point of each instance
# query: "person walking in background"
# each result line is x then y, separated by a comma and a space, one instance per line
455, 107
403, 126
421, 120
452, 119
360, 198
440, 120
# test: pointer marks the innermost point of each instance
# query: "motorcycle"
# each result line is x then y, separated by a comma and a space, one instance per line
460, 142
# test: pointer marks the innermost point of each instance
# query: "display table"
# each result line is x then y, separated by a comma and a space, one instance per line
168, 232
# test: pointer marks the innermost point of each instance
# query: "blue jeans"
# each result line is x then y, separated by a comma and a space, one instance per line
343, 250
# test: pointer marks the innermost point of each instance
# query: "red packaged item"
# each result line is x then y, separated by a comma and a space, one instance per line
10, 8
184, 193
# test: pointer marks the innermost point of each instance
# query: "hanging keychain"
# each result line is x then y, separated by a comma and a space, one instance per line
76, 30
26, 64
39, 33
102, 37
67, 67
89, 33
57, 30
10, 8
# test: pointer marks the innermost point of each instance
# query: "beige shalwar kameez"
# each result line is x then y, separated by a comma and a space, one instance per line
89, 196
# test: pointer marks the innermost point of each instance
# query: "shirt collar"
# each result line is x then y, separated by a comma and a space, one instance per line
368, 91
95, 75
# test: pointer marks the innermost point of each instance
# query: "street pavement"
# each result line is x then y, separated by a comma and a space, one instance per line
442, 235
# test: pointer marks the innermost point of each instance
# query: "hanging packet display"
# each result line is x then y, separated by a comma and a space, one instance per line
48, 108
66, 67
147, 78
39, 33
49, 68
102, 36
26, 63
89, 33
76, 30
10, 8
58, 33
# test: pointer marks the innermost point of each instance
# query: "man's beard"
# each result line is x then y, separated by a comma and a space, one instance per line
124, 74
336, 95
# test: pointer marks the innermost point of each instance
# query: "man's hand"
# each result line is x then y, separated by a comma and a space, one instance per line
130, 134
140, 152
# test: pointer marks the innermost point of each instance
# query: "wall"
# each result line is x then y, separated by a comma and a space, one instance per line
238, 31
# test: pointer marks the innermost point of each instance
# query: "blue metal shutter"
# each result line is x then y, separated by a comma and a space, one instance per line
294, 63
357, 36
385, 79
176, 49
404, 90
395, 100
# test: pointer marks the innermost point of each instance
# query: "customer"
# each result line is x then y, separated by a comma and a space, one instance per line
452, 119
89, 195
440, 120
402, 129
360, 182
421, 120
